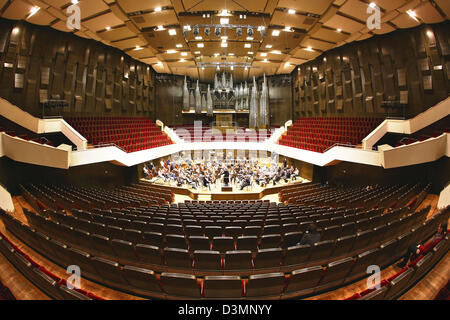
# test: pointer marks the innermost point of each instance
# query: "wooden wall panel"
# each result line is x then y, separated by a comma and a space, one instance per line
410, 65
94, 79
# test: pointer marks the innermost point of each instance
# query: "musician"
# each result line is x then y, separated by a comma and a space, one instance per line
226, 176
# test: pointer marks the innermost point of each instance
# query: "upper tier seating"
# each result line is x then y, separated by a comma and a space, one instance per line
204, 134
319, 134
432, 131
15, 130
130, 134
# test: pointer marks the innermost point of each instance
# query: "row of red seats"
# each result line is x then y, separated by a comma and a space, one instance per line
130, 134
318, 134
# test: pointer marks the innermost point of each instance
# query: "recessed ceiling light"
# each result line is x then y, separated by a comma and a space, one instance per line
216, 54
291, 11
412, 14
232, 68
276, 33
265, 60
179, 45
249, 38
309, 48
182, 60
172, 32
263, 54
200, 45
246, 68
184, 54
247, 45
74, 1
203, 68
224, 21
171, 51
268, 46
224, 45
159, 64
224, 37
33, 11
197, 52
160, 28
231, 54
250, 52
276, 52
224, 13
339, 30
287, 64
158, 9
108, 28
138, 48
287, 29
372, 5
198, 38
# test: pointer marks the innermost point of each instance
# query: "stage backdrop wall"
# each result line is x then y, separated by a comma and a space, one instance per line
410, 65
40, 63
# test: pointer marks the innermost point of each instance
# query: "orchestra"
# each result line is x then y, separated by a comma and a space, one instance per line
204, 174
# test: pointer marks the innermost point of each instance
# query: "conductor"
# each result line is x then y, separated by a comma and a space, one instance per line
226, 177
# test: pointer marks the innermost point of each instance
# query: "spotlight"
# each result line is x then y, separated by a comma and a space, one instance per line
196, 30
217, 31
207, 31
250, 32
239, 31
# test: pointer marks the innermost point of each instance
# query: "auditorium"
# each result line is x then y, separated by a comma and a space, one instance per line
212, 150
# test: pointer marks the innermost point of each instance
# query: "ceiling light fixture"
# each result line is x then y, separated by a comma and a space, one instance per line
160, 28
291, 11
200, 45
158, 9
263, 54
309, 49
412, 14
184, 54
339, 30
172, 32
268, 46
108, 28
171, 51
276, 33
247, 45
33, 11
224, 45
179, 45
224, 21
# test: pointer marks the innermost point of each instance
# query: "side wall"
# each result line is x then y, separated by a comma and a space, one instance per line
40, 63
407, 65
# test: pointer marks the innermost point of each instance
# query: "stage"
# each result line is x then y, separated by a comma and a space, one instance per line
254, 192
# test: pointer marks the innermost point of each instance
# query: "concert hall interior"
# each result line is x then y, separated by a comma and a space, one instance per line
224, 149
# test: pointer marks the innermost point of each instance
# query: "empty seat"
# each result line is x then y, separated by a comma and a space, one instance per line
337, 271
207, 260
344, 245
321, 250
154, 239
143, 279
223, 244
176, 241
102, 245
109, 271
292, 238
124, 250
270, 241
296, 255
398, 285
223, 287
304, 281
175, 257
265, 285
238, 260
180, 285
213, 231
199, 243
148, 254
191, 230
364, 260
233, 232
247, 243
134, 236
252, 231
69, 294
377, 294
268, 258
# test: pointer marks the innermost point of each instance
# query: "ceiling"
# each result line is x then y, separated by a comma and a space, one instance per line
315, 26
